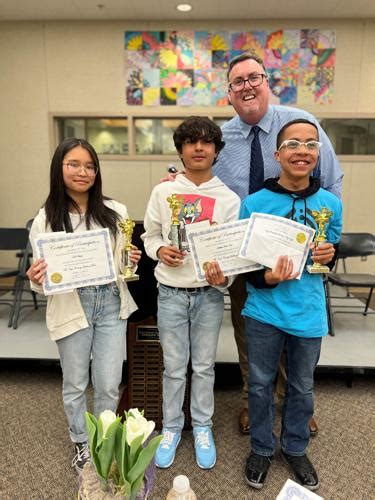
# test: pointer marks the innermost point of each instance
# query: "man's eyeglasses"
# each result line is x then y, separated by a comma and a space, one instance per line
294, 145
254, 80
76, 167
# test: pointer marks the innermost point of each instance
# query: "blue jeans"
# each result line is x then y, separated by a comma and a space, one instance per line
189, 325
104, 340
264, 346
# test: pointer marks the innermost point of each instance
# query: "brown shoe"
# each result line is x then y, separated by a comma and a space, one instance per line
243, 421
313, 426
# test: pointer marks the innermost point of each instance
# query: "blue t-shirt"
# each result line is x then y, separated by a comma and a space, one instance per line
297, 307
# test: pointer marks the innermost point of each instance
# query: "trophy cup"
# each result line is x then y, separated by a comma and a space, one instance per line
127, 272
321, 218
175, 205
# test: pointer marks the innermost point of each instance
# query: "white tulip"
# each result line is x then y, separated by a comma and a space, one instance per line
107, 417
137, 425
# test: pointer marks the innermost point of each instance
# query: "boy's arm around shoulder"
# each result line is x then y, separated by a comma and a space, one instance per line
153, 237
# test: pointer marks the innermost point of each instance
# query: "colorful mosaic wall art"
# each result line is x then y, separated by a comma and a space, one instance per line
188, 68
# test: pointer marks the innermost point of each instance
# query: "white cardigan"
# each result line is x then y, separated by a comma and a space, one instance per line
65, 314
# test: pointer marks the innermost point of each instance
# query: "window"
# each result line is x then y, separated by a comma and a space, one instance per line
154, 136
221, 121
351, 136
107, 135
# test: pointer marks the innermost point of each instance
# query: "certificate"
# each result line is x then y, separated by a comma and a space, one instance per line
219, 242
269, 236
76, 259
294, 491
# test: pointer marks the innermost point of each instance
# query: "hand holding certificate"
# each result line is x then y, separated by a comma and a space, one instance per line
221, 242
267, 237
76, 259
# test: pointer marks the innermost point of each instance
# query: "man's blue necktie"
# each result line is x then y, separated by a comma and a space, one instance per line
256, 163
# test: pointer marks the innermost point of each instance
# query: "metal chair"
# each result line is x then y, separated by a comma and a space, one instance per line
12, 239
22, 285
351, 245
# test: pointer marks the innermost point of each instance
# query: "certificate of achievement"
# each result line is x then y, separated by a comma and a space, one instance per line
269, 236
294, 491
76, 259
219, 242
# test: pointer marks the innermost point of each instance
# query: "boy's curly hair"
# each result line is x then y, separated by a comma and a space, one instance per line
196, 128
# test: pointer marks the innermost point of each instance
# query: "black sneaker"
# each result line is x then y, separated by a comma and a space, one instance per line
256, 469
82, 455
303, 470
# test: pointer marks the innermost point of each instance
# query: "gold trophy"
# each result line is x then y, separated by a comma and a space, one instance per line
321, 218
175, 205
127, 271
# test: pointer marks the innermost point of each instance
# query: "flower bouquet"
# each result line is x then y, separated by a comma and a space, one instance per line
121, 456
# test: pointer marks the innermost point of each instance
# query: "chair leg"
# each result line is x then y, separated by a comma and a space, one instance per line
368, 302
17, 304
14, 304
35, 301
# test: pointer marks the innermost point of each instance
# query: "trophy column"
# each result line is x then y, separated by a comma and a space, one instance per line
321, 218
127, 268
175, 205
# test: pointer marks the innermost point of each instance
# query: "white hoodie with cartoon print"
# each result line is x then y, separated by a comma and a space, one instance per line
211, 200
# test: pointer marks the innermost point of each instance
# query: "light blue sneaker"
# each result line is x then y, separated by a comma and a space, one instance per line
205, 451
166, 450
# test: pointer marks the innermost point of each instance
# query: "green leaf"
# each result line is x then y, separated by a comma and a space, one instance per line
128, 488
119, 455
123, 465
91, 424
136, 486
107, 448
100, 435
144, 459
121, 452
135, 449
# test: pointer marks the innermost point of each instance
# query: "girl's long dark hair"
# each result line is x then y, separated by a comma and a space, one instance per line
58, 201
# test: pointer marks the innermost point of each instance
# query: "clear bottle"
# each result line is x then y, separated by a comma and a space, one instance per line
181, 489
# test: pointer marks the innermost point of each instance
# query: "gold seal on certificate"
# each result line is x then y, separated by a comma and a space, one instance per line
322, 219
56, 278
175, 204
301, 238
127, 227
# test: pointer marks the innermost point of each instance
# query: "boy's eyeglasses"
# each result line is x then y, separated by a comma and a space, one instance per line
254, 80
75, 167
294, 145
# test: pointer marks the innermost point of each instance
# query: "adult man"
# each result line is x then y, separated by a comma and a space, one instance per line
248, 158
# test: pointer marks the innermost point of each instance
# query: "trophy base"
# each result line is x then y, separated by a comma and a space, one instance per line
132, 277
318, 269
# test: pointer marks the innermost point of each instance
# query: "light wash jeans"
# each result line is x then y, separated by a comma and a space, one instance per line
104, 339
189, 325
265, 344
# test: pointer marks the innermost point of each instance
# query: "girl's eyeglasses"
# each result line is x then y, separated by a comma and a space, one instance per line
76, 167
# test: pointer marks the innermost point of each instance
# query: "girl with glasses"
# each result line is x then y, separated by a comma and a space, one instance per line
89, 322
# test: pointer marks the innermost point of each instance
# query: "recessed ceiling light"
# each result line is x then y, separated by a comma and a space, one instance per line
184, 7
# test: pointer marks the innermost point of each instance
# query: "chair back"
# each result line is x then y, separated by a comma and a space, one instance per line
13, 238
356, 245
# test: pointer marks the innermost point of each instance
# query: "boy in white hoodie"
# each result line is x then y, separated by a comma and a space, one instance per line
189, 311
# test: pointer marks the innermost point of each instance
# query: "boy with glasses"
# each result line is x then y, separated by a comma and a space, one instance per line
257, 123
283, 312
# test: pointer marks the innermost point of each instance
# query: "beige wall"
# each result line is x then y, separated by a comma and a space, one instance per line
77, 67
